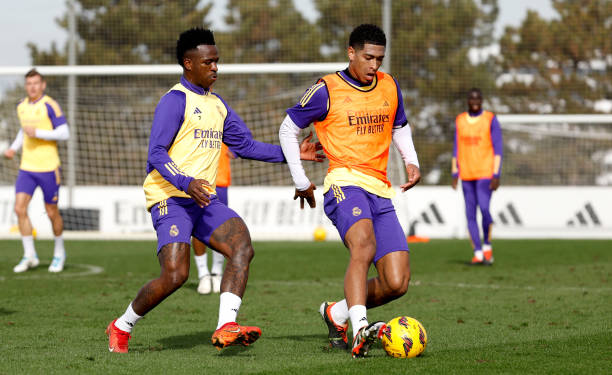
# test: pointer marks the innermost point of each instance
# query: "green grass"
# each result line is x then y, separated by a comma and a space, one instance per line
544, 307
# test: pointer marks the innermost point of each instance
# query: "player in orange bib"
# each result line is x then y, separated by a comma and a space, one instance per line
477, 160
357, 113
210, 281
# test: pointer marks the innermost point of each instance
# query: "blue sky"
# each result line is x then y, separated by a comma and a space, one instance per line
34, 21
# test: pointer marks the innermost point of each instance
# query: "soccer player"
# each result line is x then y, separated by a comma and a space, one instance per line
42, 125
357, 113
210, 281
477, 160
189, 126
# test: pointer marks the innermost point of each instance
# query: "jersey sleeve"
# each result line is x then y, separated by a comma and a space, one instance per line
400, 114
239, 139
168, 118
454, 163
55, 113
313, 106
498, 146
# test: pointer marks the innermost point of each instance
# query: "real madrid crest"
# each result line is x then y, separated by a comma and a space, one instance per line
356, 211
174, 230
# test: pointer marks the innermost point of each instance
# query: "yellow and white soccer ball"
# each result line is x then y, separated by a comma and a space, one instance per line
319, 234
404, 337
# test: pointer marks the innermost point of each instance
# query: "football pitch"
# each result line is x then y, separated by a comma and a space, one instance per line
544, 307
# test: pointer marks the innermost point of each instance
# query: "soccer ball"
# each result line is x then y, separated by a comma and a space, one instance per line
319, 234
404, 337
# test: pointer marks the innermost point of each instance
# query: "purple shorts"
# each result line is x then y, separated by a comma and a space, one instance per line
49, 182
177, 219
346, 205
222, 194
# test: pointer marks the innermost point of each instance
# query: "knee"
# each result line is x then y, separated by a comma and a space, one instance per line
398, 286
245, 252
21, 211
177, 277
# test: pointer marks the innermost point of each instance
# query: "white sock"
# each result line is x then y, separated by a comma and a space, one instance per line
202, 264
127, 321
340, 312
229, 304
58, 250
217, 263
478, 254
28, 247
358, 318
486, 247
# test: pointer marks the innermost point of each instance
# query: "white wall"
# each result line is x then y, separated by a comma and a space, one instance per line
271, 212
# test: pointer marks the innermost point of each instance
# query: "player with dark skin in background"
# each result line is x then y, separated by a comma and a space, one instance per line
189, 125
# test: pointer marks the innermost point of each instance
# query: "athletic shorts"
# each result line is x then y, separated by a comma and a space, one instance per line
49, 182
345, 205
177, 219
222, 194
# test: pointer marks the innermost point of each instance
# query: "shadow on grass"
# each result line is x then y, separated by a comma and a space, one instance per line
4, 311
187, 341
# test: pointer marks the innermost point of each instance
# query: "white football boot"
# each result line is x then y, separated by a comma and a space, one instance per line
25, 264
205, 285
216, 283
57, 264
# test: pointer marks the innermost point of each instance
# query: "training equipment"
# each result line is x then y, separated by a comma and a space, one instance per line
57, 264
404, 337
234, 334
366, 337
319, 234
337, 333
117, 339
26, 264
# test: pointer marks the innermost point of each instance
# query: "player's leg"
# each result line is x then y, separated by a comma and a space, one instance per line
173, 222
483, 195
174, 261
50, 183
201, 261
469, 195
24, 189
224, 231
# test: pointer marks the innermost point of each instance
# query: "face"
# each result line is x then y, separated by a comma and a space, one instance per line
364, 63
34, 87
201, 65
474, 102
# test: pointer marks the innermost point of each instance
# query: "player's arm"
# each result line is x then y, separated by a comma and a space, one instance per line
238, 137
312, 106
402, 139
15, 146
169, 115
454, 164
60, 131
498, 151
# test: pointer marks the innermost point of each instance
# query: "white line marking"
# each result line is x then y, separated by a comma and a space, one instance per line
89, 269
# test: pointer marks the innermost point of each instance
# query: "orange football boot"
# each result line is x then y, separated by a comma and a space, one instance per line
117, 339
234, 334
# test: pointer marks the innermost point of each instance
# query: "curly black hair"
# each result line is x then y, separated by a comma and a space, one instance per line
367, 33
191, 39
476, 90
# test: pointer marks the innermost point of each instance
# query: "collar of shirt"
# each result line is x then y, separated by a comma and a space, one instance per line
195, 88
475, 114
347, 75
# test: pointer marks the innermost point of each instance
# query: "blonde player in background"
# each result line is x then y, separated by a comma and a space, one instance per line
42, 125
210, 281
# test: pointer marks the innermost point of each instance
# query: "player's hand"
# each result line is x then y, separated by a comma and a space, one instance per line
494, 183
454, 183
414, 176
30, 131
9, 153
198, 192
308, 150
307, 194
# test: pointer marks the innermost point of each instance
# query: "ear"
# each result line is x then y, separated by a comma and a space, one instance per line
187, 63
351, 53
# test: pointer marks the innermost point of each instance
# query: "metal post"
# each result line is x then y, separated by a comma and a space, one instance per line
386, 22
72, 93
